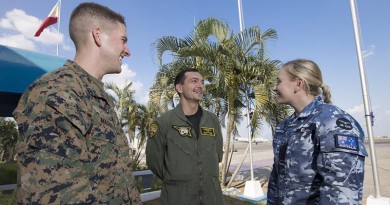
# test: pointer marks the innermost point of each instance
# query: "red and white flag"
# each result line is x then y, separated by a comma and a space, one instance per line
51, 19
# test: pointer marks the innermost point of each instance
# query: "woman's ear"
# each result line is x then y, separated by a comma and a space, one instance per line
300, 85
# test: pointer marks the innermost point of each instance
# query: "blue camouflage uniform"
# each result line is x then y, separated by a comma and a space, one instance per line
318, 158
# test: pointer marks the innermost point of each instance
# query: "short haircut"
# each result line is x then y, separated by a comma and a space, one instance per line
87, 15
180, 77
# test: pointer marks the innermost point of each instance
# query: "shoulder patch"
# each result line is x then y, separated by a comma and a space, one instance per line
344, 123
183, 130
207, 131
153, 128
346, 142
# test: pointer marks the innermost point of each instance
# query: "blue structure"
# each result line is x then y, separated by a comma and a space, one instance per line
18, 69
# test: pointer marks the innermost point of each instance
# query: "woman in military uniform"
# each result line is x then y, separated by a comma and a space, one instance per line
319, 150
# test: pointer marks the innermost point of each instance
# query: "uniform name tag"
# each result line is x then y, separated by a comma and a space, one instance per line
207, 131
347, 142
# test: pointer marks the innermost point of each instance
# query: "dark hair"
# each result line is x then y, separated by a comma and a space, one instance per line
90, 14
180, 77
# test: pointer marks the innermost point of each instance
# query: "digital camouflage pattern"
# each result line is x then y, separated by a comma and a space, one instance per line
319, 158
71, 148
187, 164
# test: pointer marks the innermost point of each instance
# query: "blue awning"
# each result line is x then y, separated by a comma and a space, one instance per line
18, 69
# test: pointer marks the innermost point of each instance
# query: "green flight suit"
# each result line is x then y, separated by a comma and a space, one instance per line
187, 164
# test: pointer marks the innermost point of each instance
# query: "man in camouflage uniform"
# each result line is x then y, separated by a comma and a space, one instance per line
185, 146
319, 150
71, 148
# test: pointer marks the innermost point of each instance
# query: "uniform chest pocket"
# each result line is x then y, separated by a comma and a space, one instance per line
306, 131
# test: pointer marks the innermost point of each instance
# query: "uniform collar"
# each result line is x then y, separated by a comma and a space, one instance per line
179, 111
318, 100
95, 86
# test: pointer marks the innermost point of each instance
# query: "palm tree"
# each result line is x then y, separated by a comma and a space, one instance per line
8, 138
133, 117
235, 67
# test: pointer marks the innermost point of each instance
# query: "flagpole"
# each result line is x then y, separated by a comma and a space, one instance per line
252, 188
377, 199
58, 26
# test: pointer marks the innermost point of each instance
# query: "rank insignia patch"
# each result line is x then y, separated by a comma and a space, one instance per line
153, 129
207, 131
183, 131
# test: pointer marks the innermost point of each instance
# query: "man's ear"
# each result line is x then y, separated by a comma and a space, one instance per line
179, 88
97, 36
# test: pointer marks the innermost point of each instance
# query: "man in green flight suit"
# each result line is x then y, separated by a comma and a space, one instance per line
185, 146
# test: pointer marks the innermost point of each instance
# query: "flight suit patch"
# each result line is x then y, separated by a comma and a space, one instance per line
183, 131
207, 131
153, 129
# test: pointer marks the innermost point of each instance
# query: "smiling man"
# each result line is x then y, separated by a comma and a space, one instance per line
71, 148
185, 146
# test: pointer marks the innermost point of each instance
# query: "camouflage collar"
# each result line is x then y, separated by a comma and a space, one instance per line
95, 86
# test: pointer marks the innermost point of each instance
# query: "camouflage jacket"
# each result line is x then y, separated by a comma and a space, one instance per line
318, 158
187, 164
71, 148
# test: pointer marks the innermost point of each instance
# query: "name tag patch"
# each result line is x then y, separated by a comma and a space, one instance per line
344, 123
347, 142
207, 131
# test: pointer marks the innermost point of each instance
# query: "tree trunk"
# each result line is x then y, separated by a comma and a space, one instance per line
2, 151
238, 167
224, 168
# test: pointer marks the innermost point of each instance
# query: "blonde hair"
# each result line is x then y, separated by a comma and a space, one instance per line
311, 74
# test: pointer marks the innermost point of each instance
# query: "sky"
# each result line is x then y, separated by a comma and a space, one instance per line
318, 30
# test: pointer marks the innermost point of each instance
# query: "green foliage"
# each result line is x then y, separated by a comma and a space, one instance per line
138, 184
8, 138
135, 119
8, 173
238, 73
156, 183
8, 199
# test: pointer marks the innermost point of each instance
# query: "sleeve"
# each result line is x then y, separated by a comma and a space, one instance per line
155, 150
341, 161
55, 119
219, 139
271, 192
50, 142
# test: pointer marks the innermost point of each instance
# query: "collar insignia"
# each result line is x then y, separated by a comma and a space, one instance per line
183, 131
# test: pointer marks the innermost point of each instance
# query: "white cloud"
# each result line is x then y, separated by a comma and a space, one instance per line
19, 21
370, 52
387, 113
357, 110
123, 78
18, 41
21, 28
5, 23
